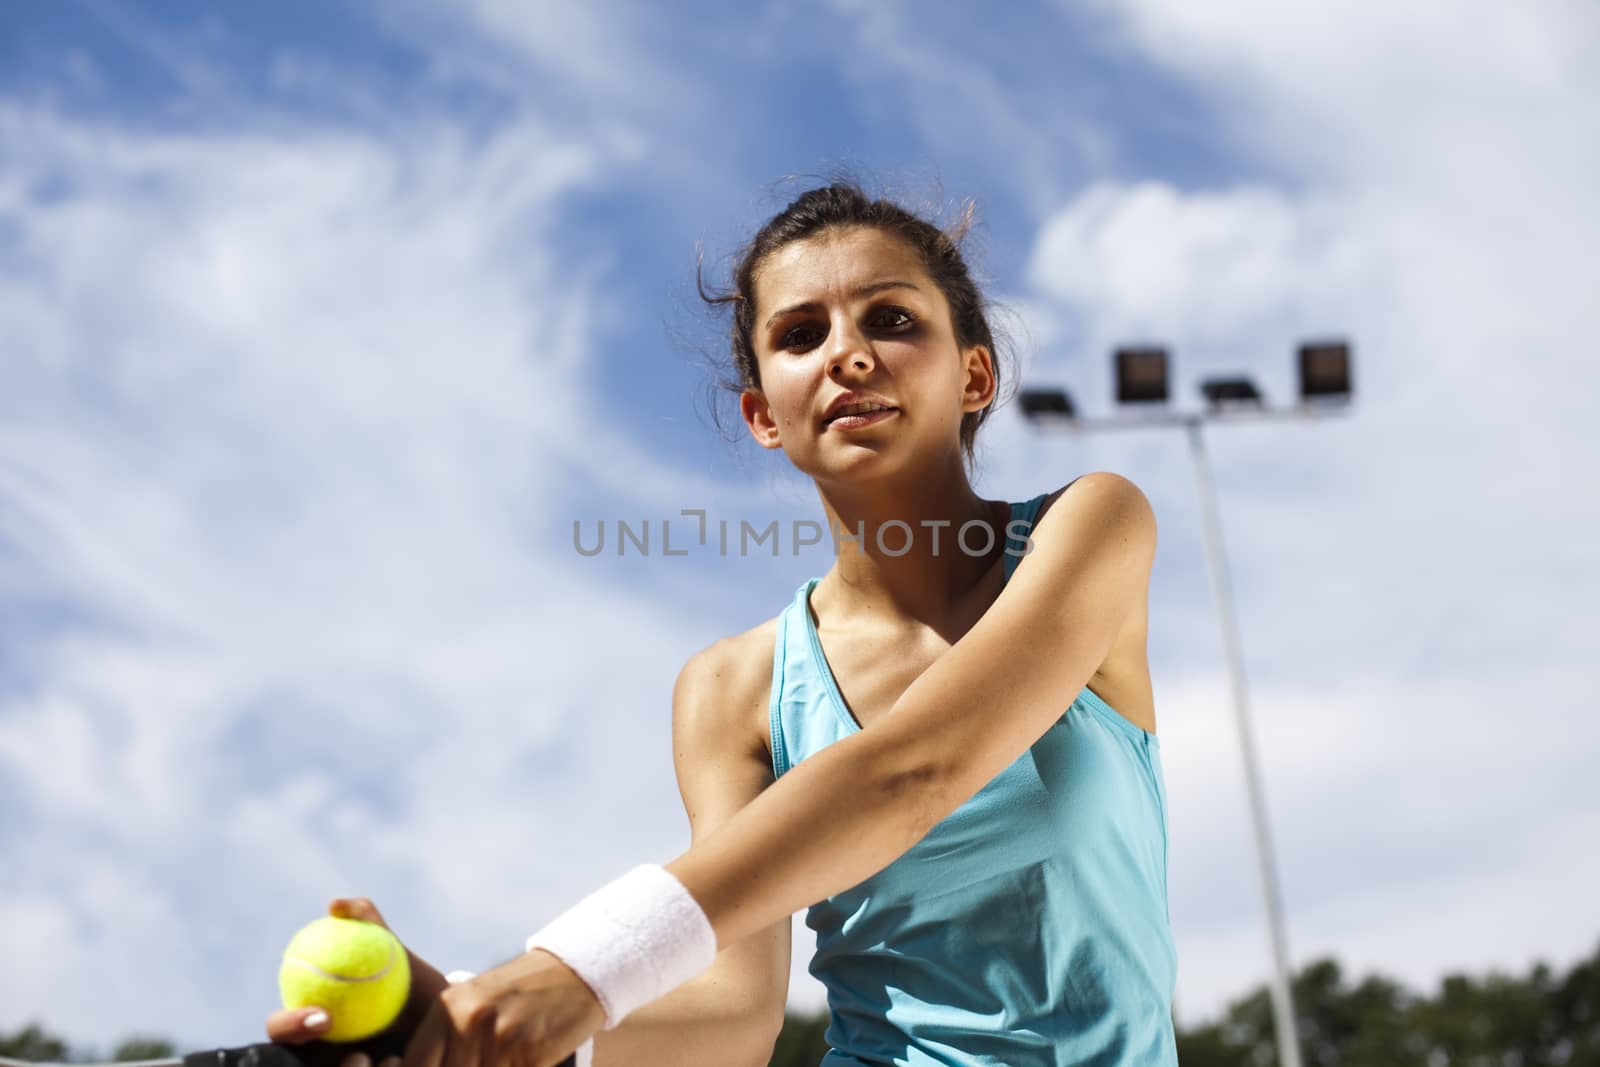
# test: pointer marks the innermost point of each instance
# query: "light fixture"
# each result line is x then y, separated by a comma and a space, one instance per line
1325, 370
1046, 404
1230, 392
1141, 375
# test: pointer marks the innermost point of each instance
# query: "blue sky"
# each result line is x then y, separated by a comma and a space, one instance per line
320, 324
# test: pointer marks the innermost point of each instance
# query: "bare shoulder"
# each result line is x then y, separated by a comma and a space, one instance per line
1104, 493
724, 688
719, 749
1103, 525
1099, 520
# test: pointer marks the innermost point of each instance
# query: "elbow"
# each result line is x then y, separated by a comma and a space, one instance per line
925, 794
918, 783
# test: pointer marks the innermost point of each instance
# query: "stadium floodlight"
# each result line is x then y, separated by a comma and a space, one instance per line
1325, 371
1046, 404
1141, 375
1142, 378
1230, 392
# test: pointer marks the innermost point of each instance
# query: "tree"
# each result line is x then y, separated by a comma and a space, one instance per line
1498, 1020
801, 1043
33, 1043
143, 1048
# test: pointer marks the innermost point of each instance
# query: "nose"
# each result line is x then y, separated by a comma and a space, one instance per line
849, 349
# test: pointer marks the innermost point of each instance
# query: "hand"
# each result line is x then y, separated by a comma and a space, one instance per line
532, 1012
288, 1027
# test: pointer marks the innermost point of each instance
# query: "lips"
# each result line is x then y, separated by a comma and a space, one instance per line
856, 404
855, 416
850, 423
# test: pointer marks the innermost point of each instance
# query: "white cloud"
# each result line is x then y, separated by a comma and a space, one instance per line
292, 415
921, 69
1152, 261
1414, 580
603, 63
288, 411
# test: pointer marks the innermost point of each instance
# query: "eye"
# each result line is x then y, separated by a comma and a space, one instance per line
800, 338
892, 318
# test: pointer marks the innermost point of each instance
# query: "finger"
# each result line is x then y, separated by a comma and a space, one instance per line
428, 1045
296, 1025
475, 1046
427, 981
356, 1059
356, 908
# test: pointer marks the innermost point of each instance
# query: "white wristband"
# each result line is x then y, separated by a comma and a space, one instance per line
632, 940
583, 1057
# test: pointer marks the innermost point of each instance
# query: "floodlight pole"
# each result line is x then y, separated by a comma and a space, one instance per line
1282, 999
1221, 587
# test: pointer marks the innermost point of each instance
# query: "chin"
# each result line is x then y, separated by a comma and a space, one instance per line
863, 466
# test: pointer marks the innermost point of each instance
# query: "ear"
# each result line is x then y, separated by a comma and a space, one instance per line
758, 417
979, 390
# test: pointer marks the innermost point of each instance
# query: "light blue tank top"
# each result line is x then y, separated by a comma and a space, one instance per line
1030, 926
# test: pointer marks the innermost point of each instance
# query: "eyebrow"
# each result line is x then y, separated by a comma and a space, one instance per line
865, 290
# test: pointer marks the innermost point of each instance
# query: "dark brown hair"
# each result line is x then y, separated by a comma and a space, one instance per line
840, 205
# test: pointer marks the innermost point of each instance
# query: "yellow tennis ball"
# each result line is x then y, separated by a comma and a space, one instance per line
357, 971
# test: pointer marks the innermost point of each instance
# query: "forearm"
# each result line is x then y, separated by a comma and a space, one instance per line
709, 1019
832, 821
705, 1020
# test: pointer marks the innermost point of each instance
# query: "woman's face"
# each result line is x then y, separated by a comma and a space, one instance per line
853, 311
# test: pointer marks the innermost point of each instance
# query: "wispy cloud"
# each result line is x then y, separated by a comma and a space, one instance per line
303, 390
1415, 579
281, 408
184, 64
599, 62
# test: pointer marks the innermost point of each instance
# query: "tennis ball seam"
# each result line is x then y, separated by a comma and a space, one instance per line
335, 977
361, 1003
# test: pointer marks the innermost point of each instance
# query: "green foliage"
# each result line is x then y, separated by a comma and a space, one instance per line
32, 1043
143, 1048
801, 1043
1495, 1021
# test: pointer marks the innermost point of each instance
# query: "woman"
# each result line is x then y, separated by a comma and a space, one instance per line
943, 749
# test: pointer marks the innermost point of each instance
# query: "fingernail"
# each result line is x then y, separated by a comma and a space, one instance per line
358, 1060
316, 1020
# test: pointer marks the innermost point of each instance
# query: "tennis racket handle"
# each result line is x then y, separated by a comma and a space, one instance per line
310, 1054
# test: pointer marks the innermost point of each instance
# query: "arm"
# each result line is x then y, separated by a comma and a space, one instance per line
535, 1009
850, 810
731, 1014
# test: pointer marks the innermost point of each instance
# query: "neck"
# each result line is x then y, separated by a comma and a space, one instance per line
912, 559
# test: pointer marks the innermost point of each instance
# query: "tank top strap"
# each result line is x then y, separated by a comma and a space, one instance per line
790, 626
804, 712
1023, 514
